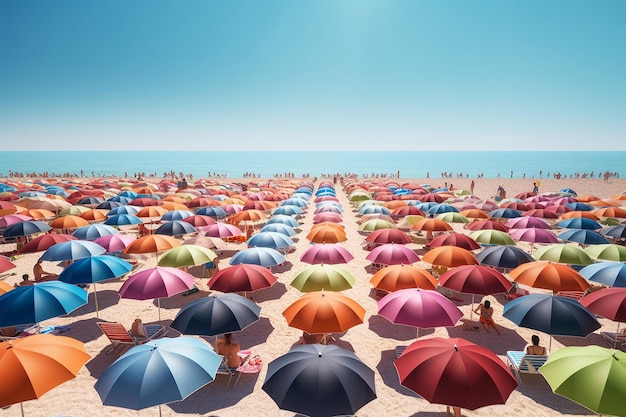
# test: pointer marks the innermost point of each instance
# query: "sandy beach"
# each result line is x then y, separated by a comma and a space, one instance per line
374, 341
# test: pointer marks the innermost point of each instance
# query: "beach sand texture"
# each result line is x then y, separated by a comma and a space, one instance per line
374, 341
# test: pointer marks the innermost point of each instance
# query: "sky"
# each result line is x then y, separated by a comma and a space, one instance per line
312, 75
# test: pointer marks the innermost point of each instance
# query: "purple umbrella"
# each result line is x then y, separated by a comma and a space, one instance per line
533, 235
392, 254
419, 308
115, 243
157, 282
527, 222
326, 253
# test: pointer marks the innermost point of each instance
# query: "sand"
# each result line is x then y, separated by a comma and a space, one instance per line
374, 341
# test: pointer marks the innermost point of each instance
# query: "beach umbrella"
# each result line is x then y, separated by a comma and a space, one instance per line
392, 254
68, 222
248, 217
176, 215
320, 277
618, 232
579, 223
11, 219
38, 302
288, 210
474, 213
607, 252
199, 220
5, 287
26, 228
6, 264
327, 217
388, 235
614, 212
175, 228
592, 376
326, 253
94, 231
123, 210
583, 236
272, 240
431, 225
216, 314
72, 250
157, 372
187, 255
455, 239
324, 312
486, 225
506, 257
375, 224
504, 213
612, 274
319, 381
492, 237
398, 277
151, 244
449, 256
123, 220
526, 223
34, 365
549, 276
551, 212
419, 308
267, 257
533, 235
331, 207
151, 211
325, 233
283, 219
579, 213
115, 243
44, 242
221, 230
213, 212
452, 217
279, 228
374, 209
607, 302
563, 253
455, 372
158, 282
242, 278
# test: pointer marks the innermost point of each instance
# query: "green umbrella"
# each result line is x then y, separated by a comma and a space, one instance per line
492, 237
609, 252
453, 217
375, 224
323, 277
187, 255
592, 376
610, 221
563, 253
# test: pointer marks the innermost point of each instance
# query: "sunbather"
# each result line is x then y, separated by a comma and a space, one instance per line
535, 348
41, 275
226, 347
138, 330
486, 316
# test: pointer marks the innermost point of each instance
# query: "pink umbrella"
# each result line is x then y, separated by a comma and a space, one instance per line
221, 230
157, 282
419, 308
326, 253
115, 243
392, 254
10, 219
327, 217
533, 235
526, 223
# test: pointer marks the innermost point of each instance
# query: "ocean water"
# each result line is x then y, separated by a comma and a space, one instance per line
271, 163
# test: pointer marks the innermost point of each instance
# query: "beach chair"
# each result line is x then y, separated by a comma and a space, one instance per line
120, 337
615, 339
223, 369
18, 332
523, 363
400, 350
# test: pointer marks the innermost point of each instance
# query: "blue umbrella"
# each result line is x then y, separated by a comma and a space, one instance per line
123, 210
94, 231
295, 202
279, 228
35, 303
109, 205
95, 269
283, 219
615, 231
267, 257
578, 206
612, 274
176, 228
158, 372
120, 199
583, 236
26, 228
441, 208
72, 250
568, 190
123, 220
505, 213
212, 211
216, 314
288, 210
272, 240
372, 209
176, 215
508, 257
579, 223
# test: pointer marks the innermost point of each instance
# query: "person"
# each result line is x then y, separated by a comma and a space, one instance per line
456, 411
41, 275
138, 329
309, 339
535, 348
535, 188
486, 316
472, 185
25, 281
501, 193
226, 347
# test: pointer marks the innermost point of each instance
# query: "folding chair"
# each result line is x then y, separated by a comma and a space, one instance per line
521, 362
119, 336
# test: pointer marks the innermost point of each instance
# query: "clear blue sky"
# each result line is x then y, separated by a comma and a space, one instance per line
322, 74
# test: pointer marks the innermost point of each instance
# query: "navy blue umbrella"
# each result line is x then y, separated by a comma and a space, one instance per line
94, 231
72, 250
175, 228
123, 220
615, 231
504, 213
583, 236
212, 211
26, 228
578, 206
500, 256
579, 223
612, 274
176, 215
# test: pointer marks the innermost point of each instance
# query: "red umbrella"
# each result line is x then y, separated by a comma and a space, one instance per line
485, 225
607, 302
44, 242
455, 372
326, 253
455, 239
242, 278
199, 220
327, 217
6, 264
388, 235
392, 254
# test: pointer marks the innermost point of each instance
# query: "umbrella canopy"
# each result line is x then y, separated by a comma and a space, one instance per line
26, 228
455, 239
392, 254
157, 282
283, 219
326, 253
608, 252
399, 277
533, 235
527, 222
33, 365
216, 314
431, 225
267, 257
221, 230
123, 219
551, 314
94, 231
563, 253
375, 224
419, 308
44, 242
95, 269
326, 234
388, 235
272, 240
475, 279
279, 228
550, 276
320, 277
68, 222
175, 228
455, 372
115, 243
615, 231
486, 225
152, 244
579, 223
570, 370
72, 250
612, 274
492, 237
507, 257
187, 255
583, 236
35, 303
324, 312
242, 278
607, 302
158, 372
449, 256
319, 381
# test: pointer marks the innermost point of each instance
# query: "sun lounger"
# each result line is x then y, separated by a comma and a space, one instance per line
615, 339
17, 332
120, 337
523, 363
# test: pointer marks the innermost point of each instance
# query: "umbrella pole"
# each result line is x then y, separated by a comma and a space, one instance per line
615, 339
472, 310
160, 410
95, 297
22, 408
550, 345
159, 307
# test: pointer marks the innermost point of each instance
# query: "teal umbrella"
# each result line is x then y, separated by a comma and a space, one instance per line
323, 277
592, 376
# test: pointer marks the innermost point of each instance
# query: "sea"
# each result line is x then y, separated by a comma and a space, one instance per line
269, 164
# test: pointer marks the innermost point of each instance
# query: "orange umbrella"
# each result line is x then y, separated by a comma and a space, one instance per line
5, 287
431, 225
475, 214
33, 365
327, 234
577, 214
324, 312
249, 216
7, 208
68, 222
169, 206
610, 212
550, 276
155, 212
450, 256
399, 277
94, 215
152, 244
605, 203
39, 214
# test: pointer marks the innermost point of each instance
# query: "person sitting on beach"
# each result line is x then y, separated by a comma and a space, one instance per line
226, 347
486, 316
535, 348
138, 330
309, 339
41, 275
25, 281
